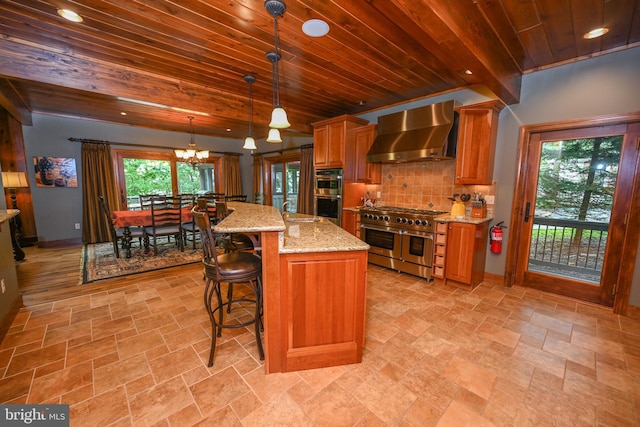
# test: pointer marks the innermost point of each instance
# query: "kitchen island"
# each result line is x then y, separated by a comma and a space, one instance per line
314, 277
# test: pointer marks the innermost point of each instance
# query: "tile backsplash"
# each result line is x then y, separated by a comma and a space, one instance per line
422, 185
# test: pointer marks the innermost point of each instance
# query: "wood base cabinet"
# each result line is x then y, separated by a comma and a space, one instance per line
322, 308
439, 249
351, 221
466, 250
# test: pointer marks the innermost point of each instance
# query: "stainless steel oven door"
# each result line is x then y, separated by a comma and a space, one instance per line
384, 241
417, 247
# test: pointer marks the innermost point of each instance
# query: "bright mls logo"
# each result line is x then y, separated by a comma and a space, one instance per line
34, 415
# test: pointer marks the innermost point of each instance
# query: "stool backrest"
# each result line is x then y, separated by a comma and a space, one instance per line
206, 237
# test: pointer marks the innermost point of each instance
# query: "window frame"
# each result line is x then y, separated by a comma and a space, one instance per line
118, 165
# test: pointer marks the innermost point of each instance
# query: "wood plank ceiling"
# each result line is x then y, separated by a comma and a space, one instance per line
161, 61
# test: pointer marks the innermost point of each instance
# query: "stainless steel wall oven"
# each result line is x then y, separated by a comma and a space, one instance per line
328, 194
399, 238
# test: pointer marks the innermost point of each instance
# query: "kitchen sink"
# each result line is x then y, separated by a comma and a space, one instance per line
301, 219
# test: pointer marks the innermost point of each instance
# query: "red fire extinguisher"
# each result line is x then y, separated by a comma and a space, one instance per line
495, 238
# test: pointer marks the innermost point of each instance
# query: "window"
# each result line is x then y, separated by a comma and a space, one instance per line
139, 172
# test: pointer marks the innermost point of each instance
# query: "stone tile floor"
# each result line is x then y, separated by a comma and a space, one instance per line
435, 356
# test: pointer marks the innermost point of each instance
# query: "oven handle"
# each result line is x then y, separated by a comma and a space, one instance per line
418, 234
384, 229
331, 196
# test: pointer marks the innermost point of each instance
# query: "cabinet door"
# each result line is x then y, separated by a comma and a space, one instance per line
335, 145
320, 143
460, 245
349, 221
477, 133
370, 173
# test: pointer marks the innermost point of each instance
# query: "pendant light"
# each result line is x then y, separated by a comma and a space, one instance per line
192, 155
249, 142
274, 134
279, 115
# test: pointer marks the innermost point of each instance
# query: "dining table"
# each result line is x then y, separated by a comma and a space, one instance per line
139, 218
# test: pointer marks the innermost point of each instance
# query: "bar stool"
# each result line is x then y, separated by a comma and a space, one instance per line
231, 268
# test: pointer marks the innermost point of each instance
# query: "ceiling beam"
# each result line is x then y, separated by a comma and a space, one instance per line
11, 101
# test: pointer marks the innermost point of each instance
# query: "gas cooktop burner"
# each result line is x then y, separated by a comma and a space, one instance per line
399, 210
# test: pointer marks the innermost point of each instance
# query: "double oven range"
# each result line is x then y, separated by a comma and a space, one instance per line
400, 238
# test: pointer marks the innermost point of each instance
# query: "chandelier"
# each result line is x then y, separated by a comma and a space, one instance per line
249, 142
279, 115
192, 155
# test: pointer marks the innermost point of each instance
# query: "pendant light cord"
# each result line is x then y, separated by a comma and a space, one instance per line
277, 50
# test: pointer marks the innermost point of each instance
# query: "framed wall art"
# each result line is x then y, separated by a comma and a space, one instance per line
55, 171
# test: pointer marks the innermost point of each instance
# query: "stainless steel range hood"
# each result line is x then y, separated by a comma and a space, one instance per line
425, 133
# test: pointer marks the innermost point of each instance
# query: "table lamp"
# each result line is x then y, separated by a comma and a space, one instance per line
13, 180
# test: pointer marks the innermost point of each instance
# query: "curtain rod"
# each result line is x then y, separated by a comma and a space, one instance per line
283, 151
97, 141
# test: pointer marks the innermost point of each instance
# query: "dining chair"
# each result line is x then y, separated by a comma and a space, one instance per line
166, 220
231, 268
189, 229
236, 198
146, 199
117, 234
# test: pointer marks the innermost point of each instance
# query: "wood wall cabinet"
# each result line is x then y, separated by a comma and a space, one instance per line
351, 221
465, 253
439, 249
369, 173
332, 142
477, 132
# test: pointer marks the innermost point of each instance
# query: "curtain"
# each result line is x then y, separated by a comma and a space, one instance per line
305, 186
98, 179
232, 177
258, 194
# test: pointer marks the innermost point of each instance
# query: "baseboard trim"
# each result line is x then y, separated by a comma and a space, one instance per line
10, 317
60, 243
494, 278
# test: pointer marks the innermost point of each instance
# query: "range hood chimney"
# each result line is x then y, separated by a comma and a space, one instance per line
425, 133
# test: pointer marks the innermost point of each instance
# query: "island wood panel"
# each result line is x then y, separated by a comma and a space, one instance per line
273, 340
322, 308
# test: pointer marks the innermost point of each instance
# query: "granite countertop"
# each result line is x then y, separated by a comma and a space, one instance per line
466, 219
298, 233
7, 214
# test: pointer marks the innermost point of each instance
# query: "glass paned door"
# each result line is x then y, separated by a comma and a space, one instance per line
285, 178
198, 180
570, 196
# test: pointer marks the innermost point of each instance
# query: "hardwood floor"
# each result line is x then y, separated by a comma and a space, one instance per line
50, 274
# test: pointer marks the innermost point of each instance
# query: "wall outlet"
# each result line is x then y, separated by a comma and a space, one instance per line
491, 200
3, 285
77, 226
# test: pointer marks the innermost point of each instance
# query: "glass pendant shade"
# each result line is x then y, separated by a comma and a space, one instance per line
249, 143
279, 119
274, 136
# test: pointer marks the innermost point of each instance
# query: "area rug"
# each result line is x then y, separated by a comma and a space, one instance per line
99, 262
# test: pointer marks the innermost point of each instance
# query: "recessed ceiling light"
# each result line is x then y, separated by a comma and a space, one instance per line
468, 72
361, 102
122, 113
315, 28
70, 15
228, 129
596, 33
